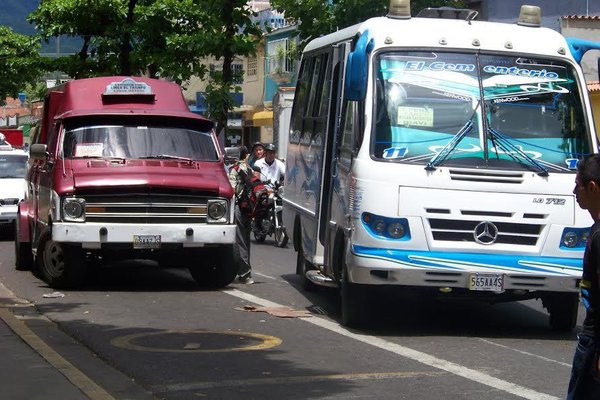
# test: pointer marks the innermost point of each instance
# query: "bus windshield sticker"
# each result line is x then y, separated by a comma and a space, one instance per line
415, 116
392, 153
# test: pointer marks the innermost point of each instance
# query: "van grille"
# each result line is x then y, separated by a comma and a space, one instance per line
463, 231
145, 208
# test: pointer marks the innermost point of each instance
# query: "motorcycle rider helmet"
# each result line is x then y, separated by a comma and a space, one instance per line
255, 145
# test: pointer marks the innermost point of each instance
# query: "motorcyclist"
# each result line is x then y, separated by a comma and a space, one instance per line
256, 153
272, 170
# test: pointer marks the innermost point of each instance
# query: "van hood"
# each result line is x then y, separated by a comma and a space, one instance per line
207, 178
12, 188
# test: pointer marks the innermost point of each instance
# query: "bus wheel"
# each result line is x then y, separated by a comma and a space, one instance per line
62, 266
354, 302
302, 267
220, 270
563, 310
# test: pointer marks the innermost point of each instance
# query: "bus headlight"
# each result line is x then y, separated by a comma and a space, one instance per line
395, 230
217, 211
73, 209
574, 238
386, 228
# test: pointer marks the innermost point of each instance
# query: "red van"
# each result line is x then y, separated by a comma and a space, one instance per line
121, 169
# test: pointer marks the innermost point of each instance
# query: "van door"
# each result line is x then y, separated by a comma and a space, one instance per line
44, 184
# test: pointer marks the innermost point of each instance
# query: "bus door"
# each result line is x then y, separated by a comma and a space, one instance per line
334, 82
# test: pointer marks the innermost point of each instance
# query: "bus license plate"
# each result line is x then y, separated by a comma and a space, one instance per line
146, 241
486, 282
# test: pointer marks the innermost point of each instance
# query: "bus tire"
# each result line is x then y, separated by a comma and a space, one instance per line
302, 267
354, 302
563, 310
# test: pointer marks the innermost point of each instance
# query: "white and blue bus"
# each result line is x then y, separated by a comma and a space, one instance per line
438, 156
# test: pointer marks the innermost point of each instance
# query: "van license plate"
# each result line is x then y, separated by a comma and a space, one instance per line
486, 282
146, 241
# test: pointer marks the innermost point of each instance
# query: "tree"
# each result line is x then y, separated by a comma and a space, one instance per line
20, 62
318, 17
169, 39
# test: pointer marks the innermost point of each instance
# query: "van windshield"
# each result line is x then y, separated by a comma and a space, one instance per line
13, 165
134, 142
516, 109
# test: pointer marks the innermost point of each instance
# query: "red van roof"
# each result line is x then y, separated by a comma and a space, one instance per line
122, 95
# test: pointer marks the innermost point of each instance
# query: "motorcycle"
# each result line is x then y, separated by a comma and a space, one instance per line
267, 219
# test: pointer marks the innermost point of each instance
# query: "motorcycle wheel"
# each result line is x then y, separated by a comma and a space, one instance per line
259, 237
281, 237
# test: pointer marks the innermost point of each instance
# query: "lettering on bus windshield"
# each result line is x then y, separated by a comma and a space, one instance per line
490, 69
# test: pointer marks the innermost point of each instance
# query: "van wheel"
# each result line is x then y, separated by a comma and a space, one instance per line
563, 310
62, 266
354, 302
23, 255
220, 269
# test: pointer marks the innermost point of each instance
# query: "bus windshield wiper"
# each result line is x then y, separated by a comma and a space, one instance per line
445, 152
516, 153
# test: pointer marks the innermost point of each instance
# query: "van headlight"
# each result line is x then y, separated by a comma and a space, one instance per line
217, 211
73, 209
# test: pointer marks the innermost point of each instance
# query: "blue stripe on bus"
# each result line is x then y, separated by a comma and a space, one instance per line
463, 261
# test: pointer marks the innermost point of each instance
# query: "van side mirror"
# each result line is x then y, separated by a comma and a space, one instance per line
38, 151
357, 68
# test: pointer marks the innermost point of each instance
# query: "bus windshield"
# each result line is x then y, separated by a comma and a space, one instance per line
478, 110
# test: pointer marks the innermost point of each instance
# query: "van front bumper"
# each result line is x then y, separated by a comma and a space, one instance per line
93, 235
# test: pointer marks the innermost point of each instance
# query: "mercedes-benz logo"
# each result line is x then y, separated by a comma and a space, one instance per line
485, 233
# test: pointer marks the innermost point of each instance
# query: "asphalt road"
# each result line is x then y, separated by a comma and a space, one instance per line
174, 341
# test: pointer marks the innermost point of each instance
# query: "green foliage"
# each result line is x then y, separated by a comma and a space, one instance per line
318, 17
20, 62
169, 39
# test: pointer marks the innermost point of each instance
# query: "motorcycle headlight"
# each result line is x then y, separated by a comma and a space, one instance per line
73, 209
217, 211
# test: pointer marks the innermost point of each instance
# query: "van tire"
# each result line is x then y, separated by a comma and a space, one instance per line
220, 270
60, 265
23, 254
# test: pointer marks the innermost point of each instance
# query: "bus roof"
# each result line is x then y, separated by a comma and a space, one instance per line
452, 34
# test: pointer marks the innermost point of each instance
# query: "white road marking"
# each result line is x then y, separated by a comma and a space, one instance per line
264, 276
406, 352
526, 353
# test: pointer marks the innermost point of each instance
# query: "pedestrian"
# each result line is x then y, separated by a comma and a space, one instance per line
258, 152
238, 176
271, 169
585, 373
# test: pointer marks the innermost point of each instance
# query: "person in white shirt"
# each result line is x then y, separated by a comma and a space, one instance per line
271, 169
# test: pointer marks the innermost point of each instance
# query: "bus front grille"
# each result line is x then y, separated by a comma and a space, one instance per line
485, 232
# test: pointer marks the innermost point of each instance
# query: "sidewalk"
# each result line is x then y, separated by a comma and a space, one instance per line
40, 361
29, 369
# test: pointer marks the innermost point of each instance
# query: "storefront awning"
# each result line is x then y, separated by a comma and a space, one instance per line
262, 118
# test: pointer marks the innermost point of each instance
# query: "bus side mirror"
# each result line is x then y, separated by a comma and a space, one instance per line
38, 151
357, 68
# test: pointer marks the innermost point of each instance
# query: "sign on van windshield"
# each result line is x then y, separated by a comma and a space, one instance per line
424, 99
